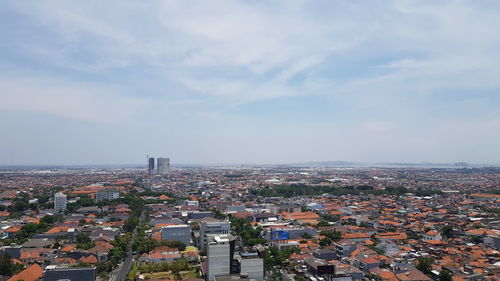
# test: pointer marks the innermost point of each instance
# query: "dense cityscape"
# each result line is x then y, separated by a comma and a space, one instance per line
236, 140
250, 223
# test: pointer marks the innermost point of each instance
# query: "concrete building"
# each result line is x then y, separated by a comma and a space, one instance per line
344, 249
60, 201
55, 273
212, 227
194, 203
218, 256
14, 250
151, 165
251, 265
163, 165
296, 232
107, 193
180, 232
492, 242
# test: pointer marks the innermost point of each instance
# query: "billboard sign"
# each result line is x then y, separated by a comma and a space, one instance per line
279, 235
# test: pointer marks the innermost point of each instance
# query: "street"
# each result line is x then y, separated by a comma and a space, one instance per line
121, 272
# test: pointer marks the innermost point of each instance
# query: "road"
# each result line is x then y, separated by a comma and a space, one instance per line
121, 272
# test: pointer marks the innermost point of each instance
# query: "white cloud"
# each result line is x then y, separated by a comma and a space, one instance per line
380, 64
78, 101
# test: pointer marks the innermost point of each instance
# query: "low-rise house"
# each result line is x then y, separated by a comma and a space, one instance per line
161, 254
413, 275
32, 273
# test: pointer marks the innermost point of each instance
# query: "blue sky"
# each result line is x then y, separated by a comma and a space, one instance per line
107, 82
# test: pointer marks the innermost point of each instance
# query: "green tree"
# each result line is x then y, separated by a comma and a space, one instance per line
447, 231
130, 224
424, 264
274, 257
444, 275
49, 219
42, 199
7, 267
333, 235
82, 238
307, 235
325, 242
323, 223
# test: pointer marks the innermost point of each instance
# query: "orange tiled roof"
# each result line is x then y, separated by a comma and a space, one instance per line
58, 229
30, 254
355, 236
300, 215
4, 214
31, 273
14, 228
90, 259
68, 248
487, 195
393, 235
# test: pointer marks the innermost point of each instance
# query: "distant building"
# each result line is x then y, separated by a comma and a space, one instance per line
180, 233
190, 203
235, 208
218, 256
60, 201
485, 196
200, 215
492, 242
107, 193
296, 232
163, 166
212, 227
151, 165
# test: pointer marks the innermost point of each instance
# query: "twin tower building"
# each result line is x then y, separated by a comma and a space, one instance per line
162, 166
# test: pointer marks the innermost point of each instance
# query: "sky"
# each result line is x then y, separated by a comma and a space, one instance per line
213, 82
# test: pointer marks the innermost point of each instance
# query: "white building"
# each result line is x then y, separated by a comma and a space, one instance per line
251, 265
60, 201
180, 232
212, 227
191, 203
218, 256
107, 193
163, 166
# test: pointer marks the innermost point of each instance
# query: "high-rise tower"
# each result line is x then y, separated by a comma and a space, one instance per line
151, 165
60, 201
163, 165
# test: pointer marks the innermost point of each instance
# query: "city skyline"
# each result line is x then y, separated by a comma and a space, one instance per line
236, 82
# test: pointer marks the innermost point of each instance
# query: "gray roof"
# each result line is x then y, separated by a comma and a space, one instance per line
38, 243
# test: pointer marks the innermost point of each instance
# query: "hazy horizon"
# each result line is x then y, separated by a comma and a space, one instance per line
249, 82
328, 163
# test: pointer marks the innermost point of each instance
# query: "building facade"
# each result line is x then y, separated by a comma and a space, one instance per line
180, 233
251, 265
163, 166
60, 201
107, 193
218, 256
151, 165
212, 227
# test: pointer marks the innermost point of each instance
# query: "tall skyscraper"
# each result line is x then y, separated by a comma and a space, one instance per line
251, 264
212, 227
163, 165
60, 201
218, 256
151, 165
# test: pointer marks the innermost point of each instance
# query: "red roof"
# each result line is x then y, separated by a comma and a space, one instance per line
31, 273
